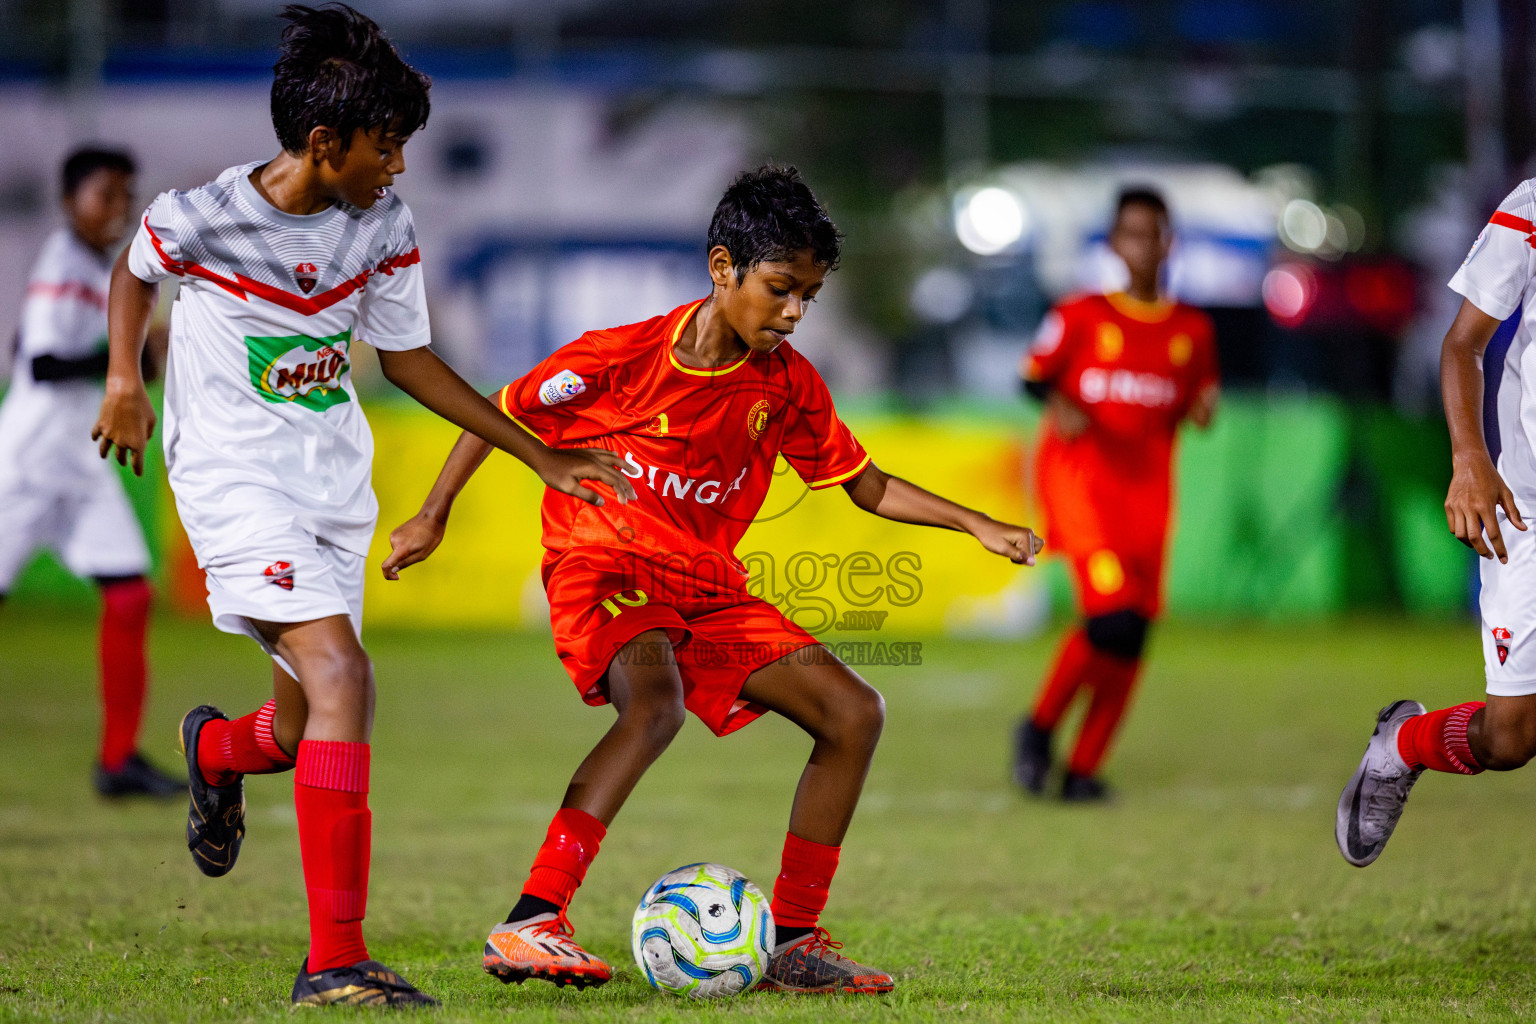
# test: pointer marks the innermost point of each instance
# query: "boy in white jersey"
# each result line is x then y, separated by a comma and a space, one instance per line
1490, 408
284, 266
53, 492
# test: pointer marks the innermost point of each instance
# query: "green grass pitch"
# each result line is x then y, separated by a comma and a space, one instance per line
1210, 892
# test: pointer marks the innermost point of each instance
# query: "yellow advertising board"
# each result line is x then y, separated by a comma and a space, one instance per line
826, 563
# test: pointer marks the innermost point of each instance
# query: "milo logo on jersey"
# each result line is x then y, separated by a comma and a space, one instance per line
302, 370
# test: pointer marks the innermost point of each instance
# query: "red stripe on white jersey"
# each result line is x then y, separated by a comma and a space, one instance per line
67, 290
243, 287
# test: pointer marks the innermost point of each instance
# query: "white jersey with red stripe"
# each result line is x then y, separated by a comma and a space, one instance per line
262, 426
55, 490
1496, 277
45, 427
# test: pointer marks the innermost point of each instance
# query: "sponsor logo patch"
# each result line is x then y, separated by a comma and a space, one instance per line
279, 574
562, 387
307, 277
1482, 236
1501, 639
302, 370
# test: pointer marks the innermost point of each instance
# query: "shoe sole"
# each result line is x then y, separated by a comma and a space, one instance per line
829, 990
509, 973
189, 752
1347, 817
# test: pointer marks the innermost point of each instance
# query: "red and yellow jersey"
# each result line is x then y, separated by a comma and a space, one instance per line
1135, 369
699, 444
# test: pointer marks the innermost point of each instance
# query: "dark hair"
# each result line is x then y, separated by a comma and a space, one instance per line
337, 69
83, 163
768, 215
1141, 195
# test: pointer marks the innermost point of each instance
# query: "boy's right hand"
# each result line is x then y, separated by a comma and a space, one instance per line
1471, 506
127, 420
567, 469
411, 542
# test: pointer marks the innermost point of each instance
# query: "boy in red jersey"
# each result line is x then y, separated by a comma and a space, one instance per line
648, 603
1118, 373
284, 264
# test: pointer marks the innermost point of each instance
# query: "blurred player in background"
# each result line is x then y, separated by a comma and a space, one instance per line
1493, 478
284, 265
1118, 373
649, 603
54, 492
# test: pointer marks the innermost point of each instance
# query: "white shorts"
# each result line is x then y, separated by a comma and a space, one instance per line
284, 574
91, 528
1508, 603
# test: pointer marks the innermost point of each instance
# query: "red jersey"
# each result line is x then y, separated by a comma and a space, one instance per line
1135, 369
699, 444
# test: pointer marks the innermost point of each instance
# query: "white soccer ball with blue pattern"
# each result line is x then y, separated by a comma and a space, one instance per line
703, 931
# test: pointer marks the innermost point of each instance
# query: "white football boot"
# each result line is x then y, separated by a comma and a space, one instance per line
1373, 800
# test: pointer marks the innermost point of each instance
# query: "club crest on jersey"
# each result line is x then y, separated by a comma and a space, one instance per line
757, 418
1501, 639
307, 277
305, 371
562, 387
279, 574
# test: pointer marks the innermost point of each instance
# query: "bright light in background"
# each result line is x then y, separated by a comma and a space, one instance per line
990, 221
941, 295
1308, 228
1289, 291
1303, 225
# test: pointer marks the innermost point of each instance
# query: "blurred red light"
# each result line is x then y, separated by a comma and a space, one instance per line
1290, 289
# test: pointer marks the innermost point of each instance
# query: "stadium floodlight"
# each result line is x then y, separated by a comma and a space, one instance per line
990, 221
1303, 226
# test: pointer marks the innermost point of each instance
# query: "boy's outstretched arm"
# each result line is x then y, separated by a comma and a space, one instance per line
416, 538
127, 418
891, 497
1476, 489
422, 375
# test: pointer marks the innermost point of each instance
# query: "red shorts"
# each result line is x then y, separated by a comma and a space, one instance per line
720, 633
1114, 581
1113, 527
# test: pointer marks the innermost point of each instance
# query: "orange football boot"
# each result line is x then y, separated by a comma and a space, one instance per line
541, 947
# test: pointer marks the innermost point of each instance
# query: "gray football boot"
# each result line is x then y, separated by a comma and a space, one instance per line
1373, 800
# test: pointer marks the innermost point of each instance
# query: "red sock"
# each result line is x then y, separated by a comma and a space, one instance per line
330, 795
245, 746
1062, 684
1112, 679
124, 620
1438, 741
569, 847
805, 879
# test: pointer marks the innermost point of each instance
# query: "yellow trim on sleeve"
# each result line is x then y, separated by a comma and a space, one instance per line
677, 332
817, 485
501, 402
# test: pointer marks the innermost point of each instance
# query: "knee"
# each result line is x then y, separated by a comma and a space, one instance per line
1120, 634
657, 720
339, 678
858, 717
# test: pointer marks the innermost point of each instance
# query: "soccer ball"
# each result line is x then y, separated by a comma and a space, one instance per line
703, 931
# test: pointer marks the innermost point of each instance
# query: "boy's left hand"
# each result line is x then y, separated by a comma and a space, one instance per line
1018, 544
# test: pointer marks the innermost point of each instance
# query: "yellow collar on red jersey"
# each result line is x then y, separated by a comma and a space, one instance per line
698, 371
1147, 312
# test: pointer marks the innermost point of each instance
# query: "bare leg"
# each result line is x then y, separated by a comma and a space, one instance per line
644, 686
844, 716
1503, 734
333, 696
